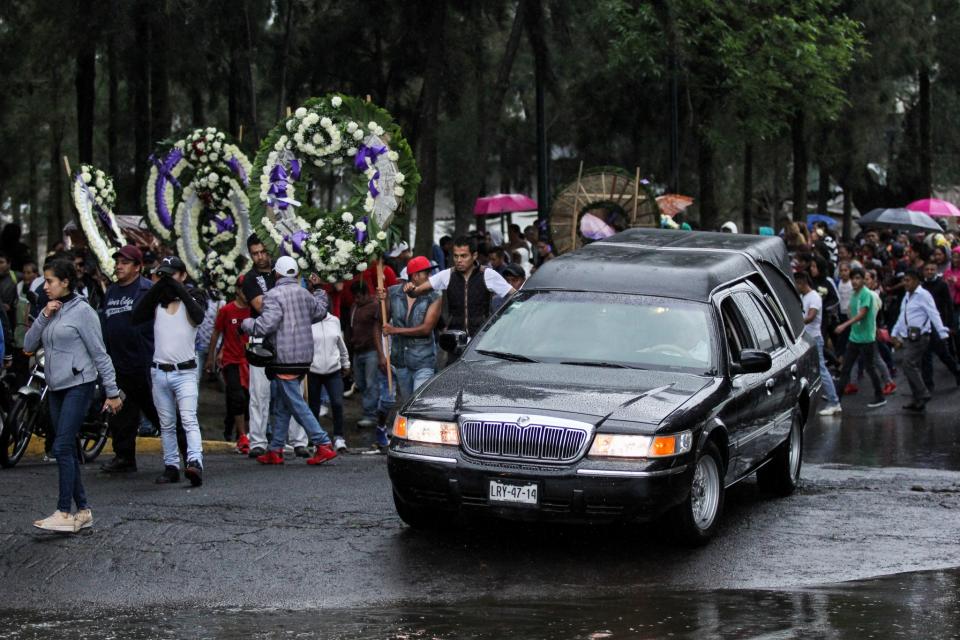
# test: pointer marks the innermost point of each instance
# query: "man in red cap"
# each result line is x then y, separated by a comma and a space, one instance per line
410, 324
130, 347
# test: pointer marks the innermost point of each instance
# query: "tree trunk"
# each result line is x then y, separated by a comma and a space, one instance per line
847, 213
55, 188
284, 53
33, 238
233, 96
429, 117
196, 106
86, 82
798, 132
705, 161
926, 152
138, 83
251, 73
159, 82
489, 108
823, 188
113, 103
747, 188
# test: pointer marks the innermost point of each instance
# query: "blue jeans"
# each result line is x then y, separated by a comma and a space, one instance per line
68, 408
201, 362
175, 391
365, 376
409, 380
386, 399
287, 401
825, 377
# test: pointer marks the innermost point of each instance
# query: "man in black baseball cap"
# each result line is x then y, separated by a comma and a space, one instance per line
172, 265
130, 347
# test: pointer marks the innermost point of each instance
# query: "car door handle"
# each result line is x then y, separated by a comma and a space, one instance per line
770, 384
793, 371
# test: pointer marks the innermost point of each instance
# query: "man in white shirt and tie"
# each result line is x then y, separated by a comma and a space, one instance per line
918, 318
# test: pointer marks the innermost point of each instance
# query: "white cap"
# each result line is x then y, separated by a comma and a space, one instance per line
398, 249
286, 266
729, 226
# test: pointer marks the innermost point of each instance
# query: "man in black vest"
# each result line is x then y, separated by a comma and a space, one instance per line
468, 286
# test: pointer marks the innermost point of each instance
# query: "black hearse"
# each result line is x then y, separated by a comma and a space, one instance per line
637, 377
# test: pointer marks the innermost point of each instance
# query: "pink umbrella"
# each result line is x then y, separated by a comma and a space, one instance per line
934, 207
503, 203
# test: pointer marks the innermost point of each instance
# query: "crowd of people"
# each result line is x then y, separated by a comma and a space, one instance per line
883, 292
290, 348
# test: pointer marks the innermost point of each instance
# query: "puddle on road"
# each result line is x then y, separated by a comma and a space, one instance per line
914, 605
930, 441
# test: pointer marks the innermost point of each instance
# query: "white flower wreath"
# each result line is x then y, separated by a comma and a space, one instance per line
94, 197
330, 132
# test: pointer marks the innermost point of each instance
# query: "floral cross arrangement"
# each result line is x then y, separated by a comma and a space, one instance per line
363, 146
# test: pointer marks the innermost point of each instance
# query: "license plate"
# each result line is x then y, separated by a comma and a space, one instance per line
514, 492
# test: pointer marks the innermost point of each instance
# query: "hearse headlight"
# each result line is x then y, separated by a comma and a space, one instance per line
429, 431
607, 445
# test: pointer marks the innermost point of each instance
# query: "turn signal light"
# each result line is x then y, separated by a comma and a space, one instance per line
663, 446
400, 427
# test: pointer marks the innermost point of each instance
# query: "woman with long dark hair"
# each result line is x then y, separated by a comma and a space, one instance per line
68, 329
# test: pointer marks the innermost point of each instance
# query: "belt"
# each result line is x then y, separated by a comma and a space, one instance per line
187, 364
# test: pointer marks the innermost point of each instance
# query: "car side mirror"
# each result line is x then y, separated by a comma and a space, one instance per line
453, 341
752, 361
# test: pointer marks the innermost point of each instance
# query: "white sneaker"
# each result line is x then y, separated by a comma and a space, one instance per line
830, 410
59, 521
349, 392
339, 444
83, 518
324, 410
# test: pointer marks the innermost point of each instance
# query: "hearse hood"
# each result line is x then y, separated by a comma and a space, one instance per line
591, 394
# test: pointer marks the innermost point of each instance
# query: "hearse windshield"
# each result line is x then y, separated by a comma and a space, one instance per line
602, 330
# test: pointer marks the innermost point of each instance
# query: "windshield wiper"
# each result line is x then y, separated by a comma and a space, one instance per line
598, 363
503, 355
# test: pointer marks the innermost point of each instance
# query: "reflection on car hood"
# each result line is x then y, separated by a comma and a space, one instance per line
590, 392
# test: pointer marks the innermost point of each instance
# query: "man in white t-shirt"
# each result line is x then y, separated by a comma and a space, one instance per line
812, 318
468, 286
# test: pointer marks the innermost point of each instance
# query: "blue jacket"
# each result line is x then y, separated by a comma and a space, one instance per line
129, 344
411, 352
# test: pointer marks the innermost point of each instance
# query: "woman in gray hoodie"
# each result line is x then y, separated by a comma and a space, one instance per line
68, 329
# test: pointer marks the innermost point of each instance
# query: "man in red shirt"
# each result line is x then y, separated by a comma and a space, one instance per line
232, 360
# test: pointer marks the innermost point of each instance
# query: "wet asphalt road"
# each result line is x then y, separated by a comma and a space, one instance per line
880, 497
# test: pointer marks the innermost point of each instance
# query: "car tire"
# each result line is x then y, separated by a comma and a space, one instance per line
419, 517
781, 476
694, 521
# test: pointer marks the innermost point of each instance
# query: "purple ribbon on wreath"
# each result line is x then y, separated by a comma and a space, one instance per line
365, 153
279, 181
165, 171
224, 224
100, 211
362, 235
296, 240
237, 168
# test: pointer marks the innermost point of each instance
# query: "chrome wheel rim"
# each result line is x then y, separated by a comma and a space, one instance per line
795, 445
705, 492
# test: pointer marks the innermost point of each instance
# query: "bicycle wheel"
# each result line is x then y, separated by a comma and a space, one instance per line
19, 430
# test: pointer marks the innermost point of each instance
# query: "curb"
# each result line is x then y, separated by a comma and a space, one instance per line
144, 445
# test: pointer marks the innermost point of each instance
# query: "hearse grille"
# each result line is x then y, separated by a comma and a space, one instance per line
533, 442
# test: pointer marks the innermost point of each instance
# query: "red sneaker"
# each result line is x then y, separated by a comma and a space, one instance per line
889, 388
850, 389
324, 452
243, 445
271, 457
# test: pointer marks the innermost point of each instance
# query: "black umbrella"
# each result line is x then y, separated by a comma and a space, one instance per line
900, 219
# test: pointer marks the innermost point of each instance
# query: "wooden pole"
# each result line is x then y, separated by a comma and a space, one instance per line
240, 135
66, 166
288, 111
383, 320
636, 199
576, 208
